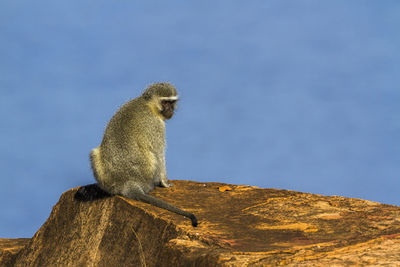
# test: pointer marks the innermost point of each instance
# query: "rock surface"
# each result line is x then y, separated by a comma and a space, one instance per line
238, 226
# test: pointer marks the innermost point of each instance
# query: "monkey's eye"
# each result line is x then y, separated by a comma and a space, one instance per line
168, 103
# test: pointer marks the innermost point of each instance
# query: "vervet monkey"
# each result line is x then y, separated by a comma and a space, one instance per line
130, 160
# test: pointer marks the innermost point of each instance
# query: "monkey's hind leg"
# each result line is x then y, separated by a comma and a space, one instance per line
138, 194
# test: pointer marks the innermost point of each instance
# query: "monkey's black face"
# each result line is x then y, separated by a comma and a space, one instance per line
167, 108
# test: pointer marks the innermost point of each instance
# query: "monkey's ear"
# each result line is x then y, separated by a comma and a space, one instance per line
90, 192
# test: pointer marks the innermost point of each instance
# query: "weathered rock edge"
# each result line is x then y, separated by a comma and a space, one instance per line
242, 226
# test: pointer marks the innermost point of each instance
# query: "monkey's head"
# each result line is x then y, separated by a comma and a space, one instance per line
162, 99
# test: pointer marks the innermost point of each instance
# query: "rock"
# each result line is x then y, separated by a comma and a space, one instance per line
10, 247
243, 226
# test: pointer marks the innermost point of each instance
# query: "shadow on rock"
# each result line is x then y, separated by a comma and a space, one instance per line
90, 192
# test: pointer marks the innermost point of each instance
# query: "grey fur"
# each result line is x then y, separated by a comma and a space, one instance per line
130, 160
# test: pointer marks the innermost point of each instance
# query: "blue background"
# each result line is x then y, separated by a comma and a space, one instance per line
300, 95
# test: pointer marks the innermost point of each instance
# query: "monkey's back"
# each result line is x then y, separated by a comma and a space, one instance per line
133, 139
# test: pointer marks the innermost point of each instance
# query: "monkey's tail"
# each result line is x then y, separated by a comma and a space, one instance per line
164, 205
90, 192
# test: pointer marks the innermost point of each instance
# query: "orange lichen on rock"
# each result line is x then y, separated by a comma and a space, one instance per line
224, 188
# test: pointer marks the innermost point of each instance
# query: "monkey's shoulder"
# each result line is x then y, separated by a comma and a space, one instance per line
132, 111
135, 118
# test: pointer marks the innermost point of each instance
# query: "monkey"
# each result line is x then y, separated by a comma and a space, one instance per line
130, 161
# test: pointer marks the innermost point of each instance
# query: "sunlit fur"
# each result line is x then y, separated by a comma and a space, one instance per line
130, 160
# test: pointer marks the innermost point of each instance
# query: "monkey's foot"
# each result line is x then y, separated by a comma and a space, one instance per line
165, 184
